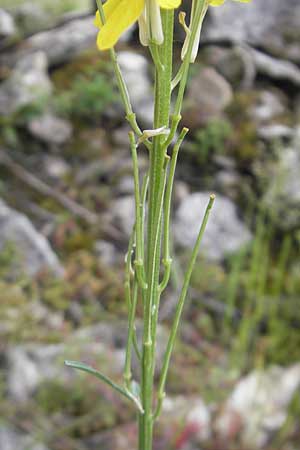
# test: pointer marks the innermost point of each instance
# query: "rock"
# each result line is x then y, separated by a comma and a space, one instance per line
123, 214
81, 35
12, 439
28, 84
269, 105
120, 136
227, 182
274, 132
225, 233
31, 18
277, 69
51, 129
259, 403
55, 167
283, 194
208, 95
7, 25
278, 32
101, 345
33, 251
235, 64
107, 253
126, 185
135, 71
192, 414
32, 364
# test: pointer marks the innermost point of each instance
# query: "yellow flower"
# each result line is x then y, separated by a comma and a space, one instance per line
121, 14
220, 2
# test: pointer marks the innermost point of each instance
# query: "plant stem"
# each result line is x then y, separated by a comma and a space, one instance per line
179, 308
156, 192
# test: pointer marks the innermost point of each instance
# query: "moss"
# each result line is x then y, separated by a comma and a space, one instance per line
244, 146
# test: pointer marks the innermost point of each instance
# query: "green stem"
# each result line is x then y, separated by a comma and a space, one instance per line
184, 69
167, 260
139, 262
179, 308
156, 192
130, 115
130, 337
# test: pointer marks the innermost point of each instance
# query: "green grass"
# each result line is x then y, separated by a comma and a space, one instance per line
52, 6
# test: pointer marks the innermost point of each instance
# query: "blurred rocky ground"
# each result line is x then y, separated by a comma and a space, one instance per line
66, 212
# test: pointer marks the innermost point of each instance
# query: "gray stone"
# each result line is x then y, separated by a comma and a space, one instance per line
55, 166
51, 129
277, 69
107, 252
32, 18
12, 439
282, 197
123, 214
260, 402
274, 132
101, 345
227, 182
65, 42
278, 32
191, 411
33, 252
126, 185
208, 95
29, 83
224, 234
268, 106
235, 64
135, 71
7, 25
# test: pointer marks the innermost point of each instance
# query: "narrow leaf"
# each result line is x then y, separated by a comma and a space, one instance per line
88, 369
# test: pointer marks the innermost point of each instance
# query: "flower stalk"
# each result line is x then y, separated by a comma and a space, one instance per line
148, 262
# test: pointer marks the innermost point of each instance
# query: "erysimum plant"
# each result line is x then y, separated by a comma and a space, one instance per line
148, 260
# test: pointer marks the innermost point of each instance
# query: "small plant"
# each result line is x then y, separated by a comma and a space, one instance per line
148, 261
210, 140
88, 96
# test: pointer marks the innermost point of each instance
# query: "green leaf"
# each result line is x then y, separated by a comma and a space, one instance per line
88, 369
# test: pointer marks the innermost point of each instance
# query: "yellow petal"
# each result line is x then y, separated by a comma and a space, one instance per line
108, 8
118, 18
169, 4
216, 2
220, 2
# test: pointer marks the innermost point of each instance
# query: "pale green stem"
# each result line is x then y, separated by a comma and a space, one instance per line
167, 260
179, 308
156, 176
130, 115
201, 4
130, 337
138, 263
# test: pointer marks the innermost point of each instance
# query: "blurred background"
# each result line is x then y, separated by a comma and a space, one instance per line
66, 211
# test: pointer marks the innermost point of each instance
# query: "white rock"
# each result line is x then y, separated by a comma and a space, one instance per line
260, 401
11, 439
123, 214
33, 251
224, 234
274, 132
29, 83
51, 129
267, 107
7, 24
135, 71
277, 69
193, 413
